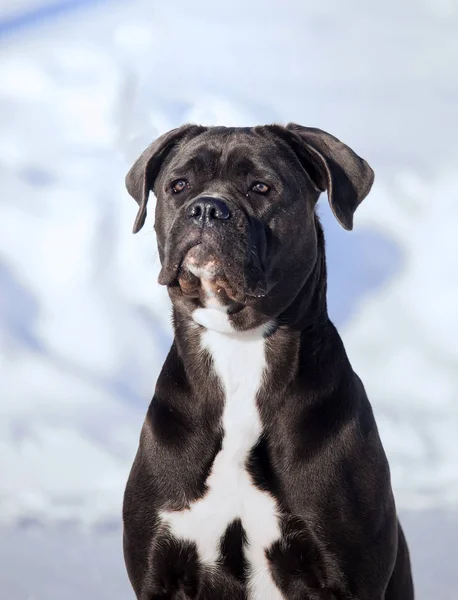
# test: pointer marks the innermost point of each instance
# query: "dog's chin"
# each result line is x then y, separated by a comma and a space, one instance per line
202, 276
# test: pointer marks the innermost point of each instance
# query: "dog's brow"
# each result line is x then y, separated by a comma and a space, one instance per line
245, 166
201, 159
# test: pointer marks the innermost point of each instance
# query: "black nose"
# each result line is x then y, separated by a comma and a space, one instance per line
206, 210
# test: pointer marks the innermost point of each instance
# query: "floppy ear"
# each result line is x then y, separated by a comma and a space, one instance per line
334, 167
140, 179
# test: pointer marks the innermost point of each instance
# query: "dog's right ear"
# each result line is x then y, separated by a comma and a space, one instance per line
140, 179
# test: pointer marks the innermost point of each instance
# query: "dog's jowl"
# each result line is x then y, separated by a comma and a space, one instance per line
260, 474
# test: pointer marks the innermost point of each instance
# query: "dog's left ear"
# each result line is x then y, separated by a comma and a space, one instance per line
334, 167
140, 179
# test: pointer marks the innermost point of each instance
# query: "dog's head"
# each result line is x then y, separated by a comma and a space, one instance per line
235, 214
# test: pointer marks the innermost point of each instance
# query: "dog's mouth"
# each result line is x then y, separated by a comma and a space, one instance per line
202, 275
203, 269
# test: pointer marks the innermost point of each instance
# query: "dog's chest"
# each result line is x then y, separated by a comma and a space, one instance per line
239, 362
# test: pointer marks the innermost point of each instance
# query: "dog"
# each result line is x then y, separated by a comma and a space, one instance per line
260, 474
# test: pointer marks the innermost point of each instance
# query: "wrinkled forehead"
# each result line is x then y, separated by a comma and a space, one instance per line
231, 152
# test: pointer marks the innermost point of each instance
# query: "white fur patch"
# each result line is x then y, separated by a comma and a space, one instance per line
239, 361
214, 319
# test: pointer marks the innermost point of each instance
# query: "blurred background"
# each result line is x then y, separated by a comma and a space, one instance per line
85, 85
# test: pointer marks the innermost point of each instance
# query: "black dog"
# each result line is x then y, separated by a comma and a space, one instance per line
260, 473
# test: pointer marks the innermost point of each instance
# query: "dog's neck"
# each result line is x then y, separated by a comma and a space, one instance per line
308, 311
300, 336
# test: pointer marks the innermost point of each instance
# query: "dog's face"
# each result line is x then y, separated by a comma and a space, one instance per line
235, 220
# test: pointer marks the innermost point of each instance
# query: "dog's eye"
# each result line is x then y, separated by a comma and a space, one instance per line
260, 188
179, 185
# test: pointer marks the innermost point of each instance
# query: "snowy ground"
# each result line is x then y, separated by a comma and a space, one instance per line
83, 325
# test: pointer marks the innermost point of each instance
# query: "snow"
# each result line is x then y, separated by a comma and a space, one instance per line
84, 327
411, 372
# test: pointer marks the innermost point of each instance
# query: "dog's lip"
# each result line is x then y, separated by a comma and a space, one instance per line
169, 276
207, 268
185, 252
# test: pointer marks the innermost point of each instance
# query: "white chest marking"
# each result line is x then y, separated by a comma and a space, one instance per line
239, 361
